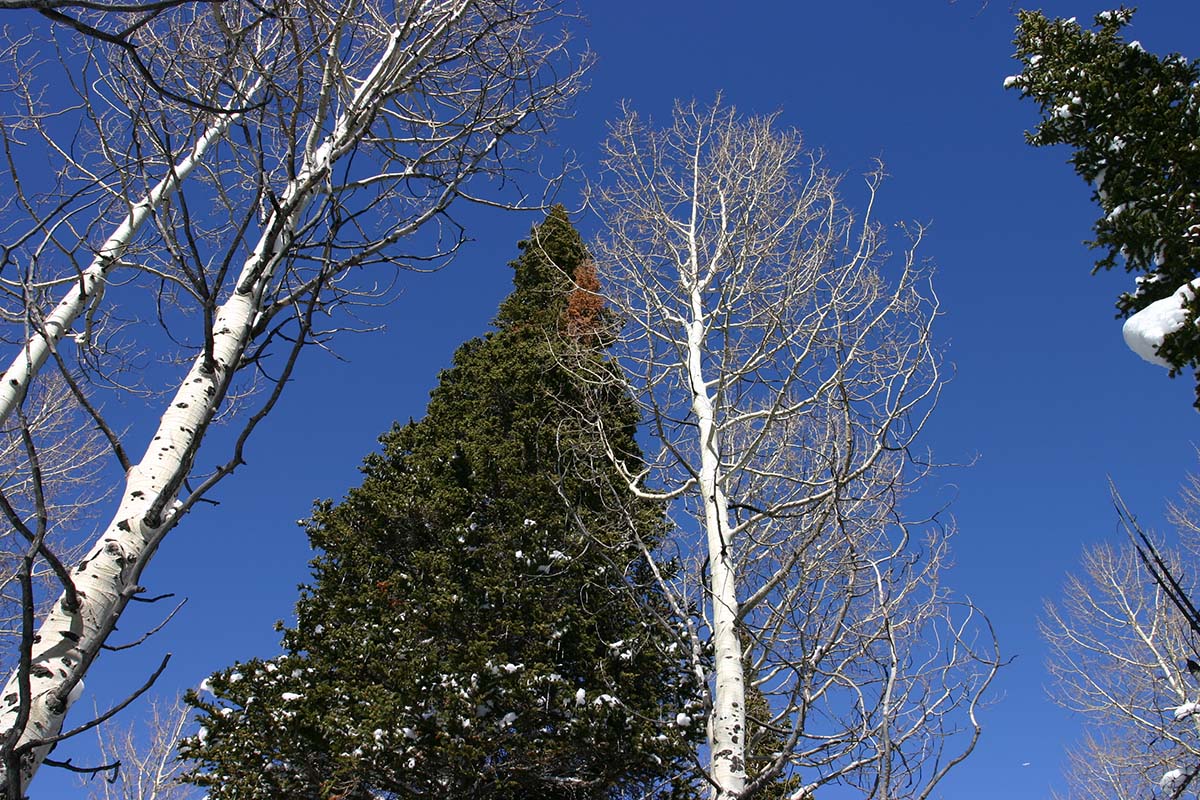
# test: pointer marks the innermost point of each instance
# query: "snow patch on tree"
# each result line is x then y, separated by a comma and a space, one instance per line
1171, 780
1186, 710
1144, 331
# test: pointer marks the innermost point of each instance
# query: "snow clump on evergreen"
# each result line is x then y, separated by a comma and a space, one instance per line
1144, 331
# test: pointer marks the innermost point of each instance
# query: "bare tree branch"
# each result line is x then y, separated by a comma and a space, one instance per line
1122, 640
145, 752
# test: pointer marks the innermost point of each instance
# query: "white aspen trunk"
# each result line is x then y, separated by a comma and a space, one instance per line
90, 284
727, 724
727, 728
69, 638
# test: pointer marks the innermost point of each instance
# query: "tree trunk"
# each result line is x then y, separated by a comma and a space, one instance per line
727, 723
70, 637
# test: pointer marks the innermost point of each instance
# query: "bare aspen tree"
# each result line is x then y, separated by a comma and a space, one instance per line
226, 237
786, 367
1123, 656
143, 755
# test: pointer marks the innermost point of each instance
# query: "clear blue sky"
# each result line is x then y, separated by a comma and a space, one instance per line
1045, 397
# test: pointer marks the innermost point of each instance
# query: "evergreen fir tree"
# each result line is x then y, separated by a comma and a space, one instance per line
1133, 119
764, 740
480, 623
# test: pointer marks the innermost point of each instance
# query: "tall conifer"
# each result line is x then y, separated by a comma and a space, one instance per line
1132, 120
479, 624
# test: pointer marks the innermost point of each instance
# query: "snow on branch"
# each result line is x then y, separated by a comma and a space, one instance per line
1144, 331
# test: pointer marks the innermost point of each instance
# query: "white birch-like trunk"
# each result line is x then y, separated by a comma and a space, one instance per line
69, 638
727, 723
727, 728
89, 287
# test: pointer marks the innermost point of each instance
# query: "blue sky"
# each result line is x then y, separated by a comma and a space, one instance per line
1045, 399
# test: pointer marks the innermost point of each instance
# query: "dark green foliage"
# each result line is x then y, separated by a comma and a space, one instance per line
480, 623
1133, 119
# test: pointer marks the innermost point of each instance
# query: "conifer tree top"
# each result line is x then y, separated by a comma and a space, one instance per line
542, 275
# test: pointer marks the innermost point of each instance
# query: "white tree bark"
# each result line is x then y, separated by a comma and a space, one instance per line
36, 699
727, 722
